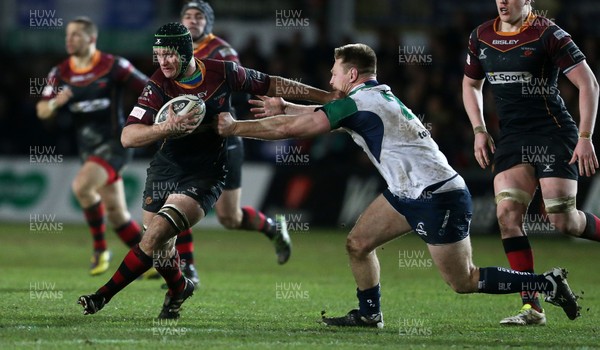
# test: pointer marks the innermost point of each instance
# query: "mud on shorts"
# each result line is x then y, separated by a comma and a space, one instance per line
438, 218
548, 154
110, 155
164, 179
235, 159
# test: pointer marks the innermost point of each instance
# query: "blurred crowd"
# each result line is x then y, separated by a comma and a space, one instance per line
429, 84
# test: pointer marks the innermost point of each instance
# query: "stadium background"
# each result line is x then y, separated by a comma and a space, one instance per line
326, 181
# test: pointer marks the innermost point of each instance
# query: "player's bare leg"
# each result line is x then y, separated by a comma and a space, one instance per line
559, 198
514, 189
380, 223
157, 249
113, 197
89, 179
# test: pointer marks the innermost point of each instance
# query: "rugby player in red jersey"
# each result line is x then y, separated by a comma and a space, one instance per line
191, 167
198, 17
521, 54
88, 85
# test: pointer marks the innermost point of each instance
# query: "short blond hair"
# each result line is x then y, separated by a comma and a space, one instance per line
359, 56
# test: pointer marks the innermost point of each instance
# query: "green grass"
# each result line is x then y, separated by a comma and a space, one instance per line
238, 305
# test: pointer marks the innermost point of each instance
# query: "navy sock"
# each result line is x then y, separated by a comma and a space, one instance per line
499, 280
368, 300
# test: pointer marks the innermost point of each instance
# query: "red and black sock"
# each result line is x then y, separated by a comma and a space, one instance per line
592, 227
130, 233
135, 263
520, 257
94, 216
185, 246
170, 270
255, 220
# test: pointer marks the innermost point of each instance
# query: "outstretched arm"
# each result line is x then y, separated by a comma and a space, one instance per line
275, 128
293, 90
271, 106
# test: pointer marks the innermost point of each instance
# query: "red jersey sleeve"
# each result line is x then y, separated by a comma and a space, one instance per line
148, 104
246, 80
473, 67
127, 74
561, 48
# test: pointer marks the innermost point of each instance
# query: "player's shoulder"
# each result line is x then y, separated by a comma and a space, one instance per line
484, 28
218, 66
219, 42
63, 67
550, 30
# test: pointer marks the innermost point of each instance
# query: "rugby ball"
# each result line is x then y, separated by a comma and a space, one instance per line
182, 104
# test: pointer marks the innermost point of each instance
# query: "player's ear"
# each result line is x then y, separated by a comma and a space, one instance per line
353, 74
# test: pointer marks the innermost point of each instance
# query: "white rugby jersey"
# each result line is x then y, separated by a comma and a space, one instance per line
395, 140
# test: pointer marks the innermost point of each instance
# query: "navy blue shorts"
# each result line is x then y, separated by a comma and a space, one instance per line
438, 218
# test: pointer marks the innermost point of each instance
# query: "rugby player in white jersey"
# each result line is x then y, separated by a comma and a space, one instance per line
425, 195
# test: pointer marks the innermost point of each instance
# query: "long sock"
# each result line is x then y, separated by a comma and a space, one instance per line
369, 300
499, 280
130, 233
255, 220
520, 257
592, 227
135, 263
185, 246
171, 272
94, 215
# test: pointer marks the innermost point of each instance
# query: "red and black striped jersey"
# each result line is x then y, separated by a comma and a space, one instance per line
522, 69
96, 104
202, 150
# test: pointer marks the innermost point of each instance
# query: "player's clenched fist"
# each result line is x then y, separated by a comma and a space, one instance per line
225, 124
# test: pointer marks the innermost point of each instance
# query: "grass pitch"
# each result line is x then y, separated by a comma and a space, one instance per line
247, 301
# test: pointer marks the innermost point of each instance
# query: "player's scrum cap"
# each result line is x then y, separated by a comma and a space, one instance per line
206, 9
176, 36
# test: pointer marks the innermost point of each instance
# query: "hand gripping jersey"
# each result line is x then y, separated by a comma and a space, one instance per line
399, 146
522, 69
96, 104
202, 152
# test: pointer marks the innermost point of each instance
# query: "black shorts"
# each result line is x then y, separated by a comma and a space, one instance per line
439, 218
548, 154
235, 159
163, 179
110, 155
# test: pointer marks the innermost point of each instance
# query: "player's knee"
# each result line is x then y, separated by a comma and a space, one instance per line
79, 188
229, 220
463, 283
158, 235
358, 247
563, 215
116, 215
510, 217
